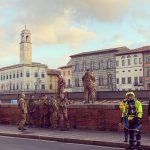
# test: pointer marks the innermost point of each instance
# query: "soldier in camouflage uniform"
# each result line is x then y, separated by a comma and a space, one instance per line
61, 86
23, 112
31, 105
63, 114
54, 112
44, 110
89, 87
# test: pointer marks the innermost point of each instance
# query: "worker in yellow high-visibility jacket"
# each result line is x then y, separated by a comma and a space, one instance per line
122, 107
134, 112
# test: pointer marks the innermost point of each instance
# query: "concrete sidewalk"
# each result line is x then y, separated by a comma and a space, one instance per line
101, 138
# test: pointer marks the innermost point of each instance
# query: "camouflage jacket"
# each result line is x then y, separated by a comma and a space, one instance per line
31, 105
44, 106
54, 106
61, 82
22, 105
63, 105
88, 79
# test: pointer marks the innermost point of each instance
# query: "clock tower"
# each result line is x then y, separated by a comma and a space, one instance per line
25, 47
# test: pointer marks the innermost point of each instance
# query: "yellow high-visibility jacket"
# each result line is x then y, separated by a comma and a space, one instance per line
138, 106
122, 105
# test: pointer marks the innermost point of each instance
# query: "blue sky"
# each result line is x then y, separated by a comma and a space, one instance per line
61, 28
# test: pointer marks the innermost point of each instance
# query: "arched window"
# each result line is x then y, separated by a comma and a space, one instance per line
101, 81
69, 84
21, 74
84, 66
17, 74
21, 86
109, 64
109, 79
10, 76
27, 74
27, 38
77, 82
9, 86
51, 87
17, 87
13, 86
76, 67
92, 65
101, 64
28, 85
43, 75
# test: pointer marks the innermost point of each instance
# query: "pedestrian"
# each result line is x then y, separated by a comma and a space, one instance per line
63, 114
134, 112
23, 112
89, 87
44, 111
60, 86
31, 105
149, 110
53, 113
123, 118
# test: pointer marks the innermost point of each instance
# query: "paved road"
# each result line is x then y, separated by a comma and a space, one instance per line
10, 143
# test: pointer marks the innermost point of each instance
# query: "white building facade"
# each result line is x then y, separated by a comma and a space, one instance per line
26, 76
129, 71
101, 62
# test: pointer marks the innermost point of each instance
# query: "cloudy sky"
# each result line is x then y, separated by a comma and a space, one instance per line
61, 28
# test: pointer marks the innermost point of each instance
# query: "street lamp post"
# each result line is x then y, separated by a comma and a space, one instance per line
38, 80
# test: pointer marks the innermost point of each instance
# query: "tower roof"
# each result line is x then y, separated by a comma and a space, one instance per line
25, 31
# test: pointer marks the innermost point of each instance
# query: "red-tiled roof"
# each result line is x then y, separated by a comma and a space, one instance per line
134, 51
67, 66
53, 72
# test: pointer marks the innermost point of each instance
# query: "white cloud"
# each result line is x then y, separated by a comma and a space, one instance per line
101, 10
56, 22
60, 32
43, 10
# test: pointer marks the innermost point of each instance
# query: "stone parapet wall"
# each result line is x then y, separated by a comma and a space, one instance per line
91, 116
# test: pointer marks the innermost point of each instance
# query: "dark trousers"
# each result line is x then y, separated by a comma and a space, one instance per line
126, 133
134, 135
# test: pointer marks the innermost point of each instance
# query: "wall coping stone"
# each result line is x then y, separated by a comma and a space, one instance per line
85, 106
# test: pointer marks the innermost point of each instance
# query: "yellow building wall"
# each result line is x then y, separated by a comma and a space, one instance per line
53, 83
67, 75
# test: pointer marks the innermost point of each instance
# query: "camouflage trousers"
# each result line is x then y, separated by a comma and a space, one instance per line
63, 121
61, 92
89, 94
54, 119
22, 120
31, 121
44, 119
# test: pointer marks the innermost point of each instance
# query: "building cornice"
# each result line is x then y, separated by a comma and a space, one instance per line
102, 51
23, 65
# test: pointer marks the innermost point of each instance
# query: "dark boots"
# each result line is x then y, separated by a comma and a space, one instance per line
131, 145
